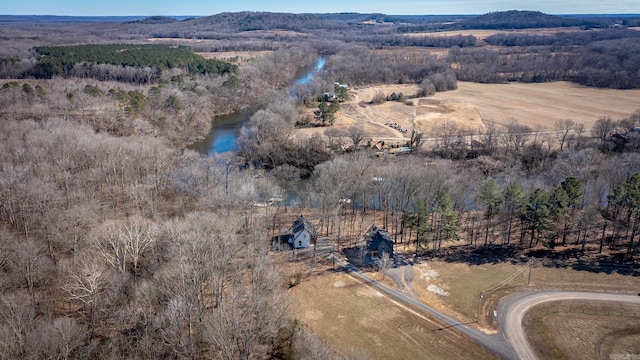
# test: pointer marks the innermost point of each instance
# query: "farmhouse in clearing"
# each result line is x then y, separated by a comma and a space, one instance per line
378, 242
302, 233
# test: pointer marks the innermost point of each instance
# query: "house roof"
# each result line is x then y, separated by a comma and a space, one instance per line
376, 235
300, 224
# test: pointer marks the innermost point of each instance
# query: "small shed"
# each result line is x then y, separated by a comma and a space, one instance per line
303, 233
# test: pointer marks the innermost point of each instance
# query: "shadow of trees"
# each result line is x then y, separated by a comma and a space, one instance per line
563, 259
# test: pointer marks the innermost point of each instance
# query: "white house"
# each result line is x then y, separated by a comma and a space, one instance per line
302, 233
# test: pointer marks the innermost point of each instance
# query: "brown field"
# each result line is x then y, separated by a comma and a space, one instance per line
284, 33
351, 316
584, 330
241, 55
473, 105
413, 50
544, 104
479, 34
483, 34
464, 282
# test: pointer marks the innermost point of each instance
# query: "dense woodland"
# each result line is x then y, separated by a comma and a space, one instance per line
63, 60
117, 241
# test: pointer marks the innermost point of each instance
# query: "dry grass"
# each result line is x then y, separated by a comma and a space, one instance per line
243, 56
283, 33
464, 282
479, 34
544, 104
473, 105
483, 34
584, 330
349, 315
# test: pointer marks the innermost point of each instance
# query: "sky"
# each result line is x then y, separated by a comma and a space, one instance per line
398, 7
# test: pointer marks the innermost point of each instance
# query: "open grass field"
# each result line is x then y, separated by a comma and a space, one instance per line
545, 103
473, 105
242, 56
483, 34
463, 282
351, 316
584, 330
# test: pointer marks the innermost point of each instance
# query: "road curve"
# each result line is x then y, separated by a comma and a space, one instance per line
497, 344
512, 309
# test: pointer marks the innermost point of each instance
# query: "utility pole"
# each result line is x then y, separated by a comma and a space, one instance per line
479, 307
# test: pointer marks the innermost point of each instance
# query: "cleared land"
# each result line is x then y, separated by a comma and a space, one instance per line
483, 34
351, 316
242, 56
584, 330
472, 105
463, 282
544, 104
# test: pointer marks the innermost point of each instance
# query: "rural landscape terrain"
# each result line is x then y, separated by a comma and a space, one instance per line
256, 185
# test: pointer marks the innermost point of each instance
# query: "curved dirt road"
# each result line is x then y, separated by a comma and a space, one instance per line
511, 313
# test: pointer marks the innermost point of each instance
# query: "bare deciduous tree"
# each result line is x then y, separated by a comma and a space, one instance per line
384, 262
562, 129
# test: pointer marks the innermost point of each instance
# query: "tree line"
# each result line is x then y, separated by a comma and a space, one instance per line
580, 198
593, 58
61, 60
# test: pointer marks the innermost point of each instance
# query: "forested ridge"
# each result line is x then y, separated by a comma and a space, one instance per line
117, 241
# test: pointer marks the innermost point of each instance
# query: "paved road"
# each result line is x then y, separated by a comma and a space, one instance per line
497, 344
511, 313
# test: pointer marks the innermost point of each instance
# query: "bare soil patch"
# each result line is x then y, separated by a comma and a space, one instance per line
349, 315
584, 330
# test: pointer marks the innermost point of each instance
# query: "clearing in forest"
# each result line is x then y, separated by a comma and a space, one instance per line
352, 316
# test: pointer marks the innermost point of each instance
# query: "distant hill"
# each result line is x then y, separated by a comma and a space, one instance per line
66, 19
155, 20
249, 21
515, 19
80, 19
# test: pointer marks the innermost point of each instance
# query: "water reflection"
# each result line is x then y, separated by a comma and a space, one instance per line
224, 133
226, 128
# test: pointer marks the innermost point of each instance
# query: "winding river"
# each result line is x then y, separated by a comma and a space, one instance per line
226, 128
